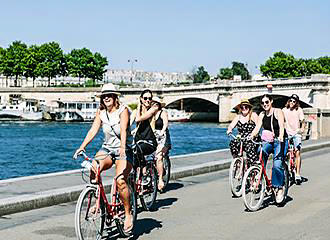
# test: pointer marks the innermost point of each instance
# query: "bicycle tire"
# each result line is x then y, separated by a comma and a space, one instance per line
149, 192
291, 170
120, 221
250, 191
235, 173
286, 184
167, 170
89, 225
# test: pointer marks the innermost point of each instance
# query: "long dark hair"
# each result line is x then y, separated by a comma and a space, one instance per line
145, 91
296, 106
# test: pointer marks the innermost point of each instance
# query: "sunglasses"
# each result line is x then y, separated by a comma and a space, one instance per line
293, 101
147, 98
265, 102
108, 96
245, 107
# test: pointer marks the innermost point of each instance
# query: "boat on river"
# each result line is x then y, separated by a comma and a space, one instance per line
74, 111
23, 109
175, 115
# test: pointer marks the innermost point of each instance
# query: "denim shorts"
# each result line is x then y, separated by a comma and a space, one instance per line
115, 152
296, 142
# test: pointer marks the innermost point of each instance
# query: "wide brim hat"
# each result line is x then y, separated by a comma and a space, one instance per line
244, 101
108, 88
158, 100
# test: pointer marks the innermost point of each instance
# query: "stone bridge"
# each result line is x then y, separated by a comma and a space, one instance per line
221, 97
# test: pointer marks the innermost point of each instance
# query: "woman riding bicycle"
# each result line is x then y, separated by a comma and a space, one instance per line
245, 122
144, 117
295, 126
113, 117
163, 139
272, 122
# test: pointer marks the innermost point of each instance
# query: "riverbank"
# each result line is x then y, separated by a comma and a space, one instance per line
23, 194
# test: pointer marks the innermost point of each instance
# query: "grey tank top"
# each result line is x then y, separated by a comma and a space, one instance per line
111, 129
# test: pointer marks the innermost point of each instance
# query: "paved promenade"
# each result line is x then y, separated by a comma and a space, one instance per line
26, 193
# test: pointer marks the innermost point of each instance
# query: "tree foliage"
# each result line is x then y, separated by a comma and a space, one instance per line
48, 60
282, 65
200, 76
236, 69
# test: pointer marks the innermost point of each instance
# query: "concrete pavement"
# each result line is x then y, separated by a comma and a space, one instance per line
27, 193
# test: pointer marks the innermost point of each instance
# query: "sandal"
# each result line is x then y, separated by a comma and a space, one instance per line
130, 228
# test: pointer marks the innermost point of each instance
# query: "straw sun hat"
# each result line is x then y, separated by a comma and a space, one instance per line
244, 101
108, 89
158, 100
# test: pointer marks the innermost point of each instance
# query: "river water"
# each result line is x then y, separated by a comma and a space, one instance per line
30, 148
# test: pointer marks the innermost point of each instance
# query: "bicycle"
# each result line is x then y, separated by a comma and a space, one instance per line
256, 183
93, 208
166, 170
291, 157
238, 167
145, 176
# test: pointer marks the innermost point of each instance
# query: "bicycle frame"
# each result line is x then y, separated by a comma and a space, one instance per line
292, 154
113, 205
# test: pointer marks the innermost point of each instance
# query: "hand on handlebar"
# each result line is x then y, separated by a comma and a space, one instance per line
78, 152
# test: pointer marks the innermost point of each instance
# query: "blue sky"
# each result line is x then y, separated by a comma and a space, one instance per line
173, 35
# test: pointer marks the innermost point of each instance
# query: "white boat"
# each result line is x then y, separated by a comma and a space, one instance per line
23, 109
175, 115
75, 110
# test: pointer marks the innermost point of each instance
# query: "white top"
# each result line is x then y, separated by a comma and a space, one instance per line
111, 129
292, 120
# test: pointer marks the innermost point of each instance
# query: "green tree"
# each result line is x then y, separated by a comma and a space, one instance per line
51, 60
226, 73
325, 63
240, 69
201, 75
281, 65
15, 56
96, 67
32, 59
78, 61
4, 67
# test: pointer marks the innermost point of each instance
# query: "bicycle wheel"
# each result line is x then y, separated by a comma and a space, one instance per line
167, 170
253, 193
286, 184
149, 190
236, 173
121, 219
291, 170
89, 224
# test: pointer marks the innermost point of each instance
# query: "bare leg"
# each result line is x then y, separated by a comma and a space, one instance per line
124, 167
298, 163
160, 166
105, 163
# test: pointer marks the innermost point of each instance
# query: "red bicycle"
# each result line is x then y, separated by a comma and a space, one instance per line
238, 167
256, 184
93, 209
146, 176
291, 157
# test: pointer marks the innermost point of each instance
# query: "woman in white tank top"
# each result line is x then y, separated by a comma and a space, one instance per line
114, 120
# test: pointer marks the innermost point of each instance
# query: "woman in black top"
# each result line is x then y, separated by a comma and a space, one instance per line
163, 138
272, 122
145, 121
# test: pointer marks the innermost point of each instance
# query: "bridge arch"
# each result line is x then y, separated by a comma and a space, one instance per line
279, 102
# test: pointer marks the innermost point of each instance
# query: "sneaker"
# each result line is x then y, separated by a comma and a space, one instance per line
280, 195
298, 179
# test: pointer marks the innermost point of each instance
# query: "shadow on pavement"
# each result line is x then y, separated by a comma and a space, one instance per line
173, 186
163, 203
145, 226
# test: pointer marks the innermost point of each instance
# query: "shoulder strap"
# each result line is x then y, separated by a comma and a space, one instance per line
271, 121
